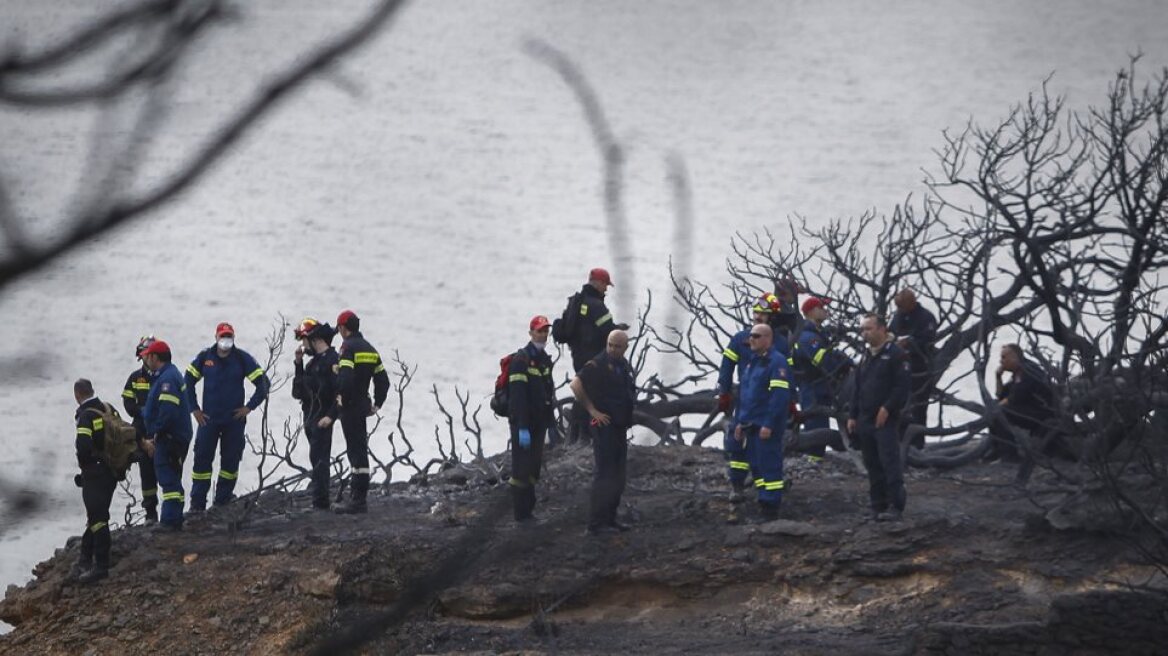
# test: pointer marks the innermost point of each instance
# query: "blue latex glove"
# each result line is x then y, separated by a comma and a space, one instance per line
525, 438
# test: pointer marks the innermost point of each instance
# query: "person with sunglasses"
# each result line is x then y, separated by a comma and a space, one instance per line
763, 400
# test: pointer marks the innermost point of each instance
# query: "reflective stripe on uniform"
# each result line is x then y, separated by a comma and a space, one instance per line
601, 320
226, 475
169, 397
773, 485
346, 363
129, 394
366, 358
98, 526
194, 372
818, 356
362, 470
777, 383
380, 368
142, 387
84, 431
199, 476
255, 374
535, 371
730, 354
173, 496
758, 482
515, 482
584, 310
739, 464
517, 378
152, 492
98, 423
790, 362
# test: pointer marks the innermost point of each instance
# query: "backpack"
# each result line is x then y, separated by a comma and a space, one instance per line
566, 329
501, 399
121, 441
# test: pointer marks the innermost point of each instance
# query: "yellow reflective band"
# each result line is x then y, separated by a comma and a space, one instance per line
818, 356
98, 526
226, 475
366, 358
150, 493
738, 464
583, 310
172, 496
143, 387
194, 372
200, 476
255, 374
779, 384
517, 378
84, 431
773, 486
601, 320
515, 482
129, 394
759, 482
380, 368
346, 363
814, 458
790, 362
169, 397
98, 423
730, 355
534, 371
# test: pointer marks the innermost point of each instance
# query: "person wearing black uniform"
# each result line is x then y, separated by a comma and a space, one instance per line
1027, 399
915, 329
605, 388
97, 483
315, 386
595, 323
134, 395
881, 389
531, 410
358, 364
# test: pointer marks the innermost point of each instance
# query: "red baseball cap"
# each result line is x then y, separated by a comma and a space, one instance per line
814, 302
345, 317
539, 322
601, 275
224, 329
157, 346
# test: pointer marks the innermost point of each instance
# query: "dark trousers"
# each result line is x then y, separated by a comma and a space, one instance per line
320, 448
97, 491
610, 450
227, 436
149, 482
881, 450
169, 454
526, 464
811, 394
580, 425
353, 425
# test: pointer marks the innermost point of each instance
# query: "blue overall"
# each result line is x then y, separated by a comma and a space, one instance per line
735, 357
168, 421
765, 393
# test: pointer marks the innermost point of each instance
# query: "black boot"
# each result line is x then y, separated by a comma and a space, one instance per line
79, 568
93, 575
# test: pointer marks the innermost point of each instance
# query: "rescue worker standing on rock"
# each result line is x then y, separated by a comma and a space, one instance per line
223, 416
606, 389
168, 427
763, 400
817, 365
531, 402
594, 323
735, 357
915, 329
882, 386
97, 483
134, 399
359, 363
315, 386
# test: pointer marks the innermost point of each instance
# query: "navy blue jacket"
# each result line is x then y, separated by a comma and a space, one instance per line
737, 355
223, 382
765, 392
919, 327
315, 385
134, 395
883, 380
595, 325
1030, 397
608, 382
90, 432
531, 393
167, 408
814, 357
358, 364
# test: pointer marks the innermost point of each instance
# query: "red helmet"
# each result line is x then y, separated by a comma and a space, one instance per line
348, 319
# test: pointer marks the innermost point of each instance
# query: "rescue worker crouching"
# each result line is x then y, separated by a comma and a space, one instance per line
315, 386
764, 396
531, 411
134, 400
97, 483
358, 365
223, 416
168, 427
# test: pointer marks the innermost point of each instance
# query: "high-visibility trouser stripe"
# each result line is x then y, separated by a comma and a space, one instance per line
818, 356
815, 458
129, 394
362, 470
143, 387
200, 476
365, 357
346, 363
170, 398
255, 374
380, 368
773, 485
173, 496
517, 378
98, 526
730, 354
228, 476
152, 492
98, 423
601, 320
758, 482
195, 373
518, 482
777, 383
739, 464
84, 431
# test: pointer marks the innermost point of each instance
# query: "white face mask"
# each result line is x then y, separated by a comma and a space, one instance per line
225, 343
539, 345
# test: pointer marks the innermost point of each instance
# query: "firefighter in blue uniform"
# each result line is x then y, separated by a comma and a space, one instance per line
168, 427
882, 386
531, 398
359, 364
97, 483
735, 357
817, 365
315, 386
763, 401
223, 415
134, 399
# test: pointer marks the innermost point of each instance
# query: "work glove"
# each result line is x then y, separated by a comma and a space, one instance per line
525, 438
724, 402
